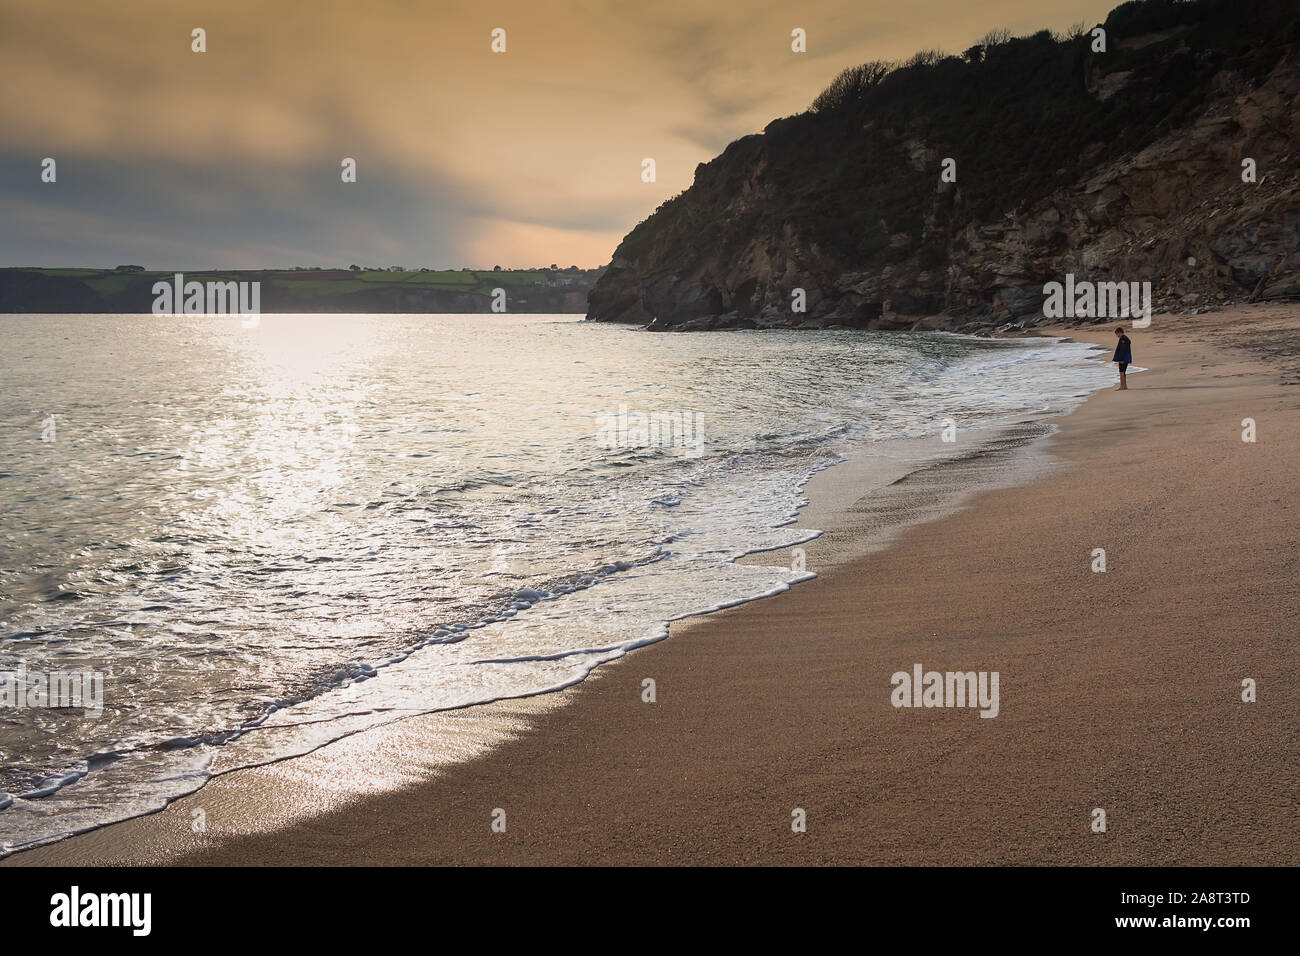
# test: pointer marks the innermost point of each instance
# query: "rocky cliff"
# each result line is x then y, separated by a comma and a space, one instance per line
1117, 165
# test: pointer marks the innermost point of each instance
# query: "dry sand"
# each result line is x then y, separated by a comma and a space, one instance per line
1118, 690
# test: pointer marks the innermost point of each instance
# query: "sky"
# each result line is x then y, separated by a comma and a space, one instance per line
231, 158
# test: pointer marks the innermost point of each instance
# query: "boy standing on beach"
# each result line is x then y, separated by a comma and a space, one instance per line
1123, 355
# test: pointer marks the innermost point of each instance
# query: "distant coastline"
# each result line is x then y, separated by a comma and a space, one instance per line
128, 289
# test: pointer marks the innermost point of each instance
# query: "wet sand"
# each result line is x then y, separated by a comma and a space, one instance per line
1118, 690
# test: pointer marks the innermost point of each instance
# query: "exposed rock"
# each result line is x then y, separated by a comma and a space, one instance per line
1148, 187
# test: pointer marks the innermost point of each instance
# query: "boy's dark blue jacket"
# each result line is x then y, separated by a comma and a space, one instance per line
1123, 351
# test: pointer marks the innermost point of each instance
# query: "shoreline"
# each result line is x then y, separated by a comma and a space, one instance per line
897, 474
799, 683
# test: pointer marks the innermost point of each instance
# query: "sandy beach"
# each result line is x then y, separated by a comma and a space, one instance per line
1119, 690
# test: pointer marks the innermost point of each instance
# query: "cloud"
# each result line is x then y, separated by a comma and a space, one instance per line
234, 154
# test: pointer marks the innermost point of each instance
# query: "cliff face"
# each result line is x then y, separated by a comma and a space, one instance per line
1124, 165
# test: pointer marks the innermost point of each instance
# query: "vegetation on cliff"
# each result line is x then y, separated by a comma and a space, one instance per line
846, 200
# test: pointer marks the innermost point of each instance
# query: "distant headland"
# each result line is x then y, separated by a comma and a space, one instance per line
128, 289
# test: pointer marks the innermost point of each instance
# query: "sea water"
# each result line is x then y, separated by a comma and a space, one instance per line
264, 539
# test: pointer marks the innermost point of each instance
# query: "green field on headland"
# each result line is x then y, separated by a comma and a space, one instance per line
130, 289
